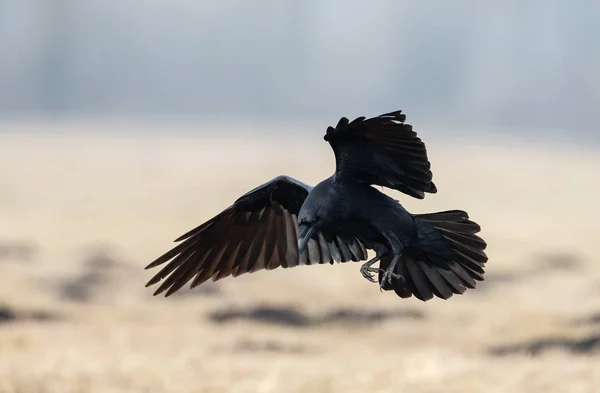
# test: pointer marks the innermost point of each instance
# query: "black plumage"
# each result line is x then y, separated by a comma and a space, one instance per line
287, 223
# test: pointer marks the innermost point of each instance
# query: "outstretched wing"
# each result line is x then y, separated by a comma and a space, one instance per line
384, 151
257, 232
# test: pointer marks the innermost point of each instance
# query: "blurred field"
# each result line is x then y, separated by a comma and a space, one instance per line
81, 215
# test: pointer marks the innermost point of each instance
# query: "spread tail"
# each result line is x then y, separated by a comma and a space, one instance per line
447, 258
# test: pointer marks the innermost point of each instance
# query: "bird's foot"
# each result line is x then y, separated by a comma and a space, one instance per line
388, 275
368, 272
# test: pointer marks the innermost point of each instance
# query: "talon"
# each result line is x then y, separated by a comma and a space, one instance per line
388, 276
368, 273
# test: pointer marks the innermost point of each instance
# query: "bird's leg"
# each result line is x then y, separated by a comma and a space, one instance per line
389, 274
367, 271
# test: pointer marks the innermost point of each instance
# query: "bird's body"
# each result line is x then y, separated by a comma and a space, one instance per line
285, 222
359, 210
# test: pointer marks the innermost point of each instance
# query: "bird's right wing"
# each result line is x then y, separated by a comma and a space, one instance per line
259, 231
382, 150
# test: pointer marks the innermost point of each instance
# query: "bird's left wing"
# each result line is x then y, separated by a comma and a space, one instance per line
382, 150
259, 231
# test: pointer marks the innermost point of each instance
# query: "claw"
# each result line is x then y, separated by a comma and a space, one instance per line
388, 275
368, 273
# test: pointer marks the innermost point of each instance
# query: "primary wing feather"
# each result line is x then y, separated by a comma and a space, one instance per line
258, 231
383, 151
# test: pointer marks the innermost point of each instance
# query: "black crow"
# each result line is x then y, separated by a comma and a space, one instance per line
287, 223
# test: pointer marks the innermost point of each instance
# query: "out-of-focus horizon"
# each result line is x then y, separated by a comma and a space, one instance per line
510, 66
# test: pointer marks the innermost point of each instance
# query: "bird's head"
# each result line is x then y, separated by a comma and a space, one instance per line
307, 227
315, 214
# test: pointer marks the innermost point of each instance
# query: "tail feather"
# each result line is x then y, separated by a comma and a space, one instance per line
448, 257
470, 240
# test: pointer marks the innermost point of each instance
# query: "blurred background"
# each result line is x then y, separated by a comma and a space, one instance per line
125, 124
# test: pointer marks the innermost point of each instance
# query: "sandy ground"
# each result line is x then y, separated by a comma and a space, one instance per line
81, 215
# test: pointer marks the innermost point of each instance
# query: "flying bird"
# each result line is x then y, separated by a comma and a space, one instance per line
287, 223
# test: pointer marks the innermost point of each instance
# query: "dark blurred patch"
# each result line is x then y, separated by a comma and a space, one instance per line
82, 288
290, 316
563, 260
359, 317
250, 345
584, 345
8, 314
286, 316
99, 266
22, 251
592, 319
100, 259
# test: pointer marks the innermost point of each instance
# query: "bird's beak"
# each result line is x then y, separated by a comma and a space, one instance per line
306, 233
